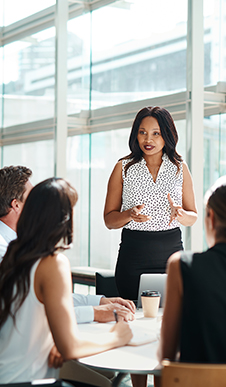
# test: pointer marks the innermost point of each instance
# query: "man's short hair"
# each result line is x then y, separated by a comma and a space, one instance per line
12, 186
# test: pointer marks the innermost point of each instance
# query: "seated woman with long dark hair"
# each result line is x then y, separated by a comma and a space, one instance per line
36, 309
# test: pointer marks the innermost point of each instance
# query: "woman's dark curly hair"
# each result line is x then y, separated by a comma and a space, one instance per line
168, 132
46, 220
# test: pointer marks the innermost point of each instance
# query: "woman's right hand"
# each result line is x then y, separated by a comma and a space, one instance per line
123, 333
55, 359
114, 217
136, 215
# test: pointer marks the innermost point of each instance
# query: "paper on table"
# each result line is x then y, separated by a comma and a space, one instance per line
141, 338
144, 330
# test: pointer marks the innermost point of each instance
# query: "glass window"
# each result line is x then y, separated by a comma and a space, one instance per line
222, 145
1, 13
106, 149
15, 10
38, 156
214, 152
181, 145
29, 78
139, 52
214, 149
1, 85
215, 41
79, 64
78, 173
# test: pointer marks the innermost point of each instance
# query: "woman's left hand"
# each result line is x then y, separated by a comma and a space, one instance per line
176, 211
55, 359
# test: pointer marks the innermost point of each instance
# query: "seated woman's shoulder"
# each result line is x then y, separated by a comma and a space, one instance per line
60, 258
57, 260
173, 259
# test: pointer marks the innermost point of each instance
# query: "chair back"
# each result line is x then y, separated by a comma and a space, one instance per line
193, 375
105, 283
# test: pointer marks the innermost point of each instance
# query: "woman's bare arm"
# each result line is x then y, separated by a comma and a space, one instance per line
188, 198
187, 214
113, 216
53, 289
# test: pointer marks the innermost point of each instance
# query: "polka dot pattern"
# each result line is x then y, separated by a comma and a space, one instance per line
139, 188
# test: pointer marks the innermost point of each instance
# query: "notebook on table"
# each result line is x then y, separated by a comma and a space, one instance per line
152, 281
141, 338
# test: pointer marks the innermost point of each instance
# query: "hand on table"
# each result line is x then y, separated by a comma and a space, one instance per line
105, 312
111, 300
55, 359
137, 216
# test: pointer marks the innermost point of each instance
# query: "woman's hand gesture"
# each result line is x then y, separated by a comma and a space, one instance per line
136, 215
176, 211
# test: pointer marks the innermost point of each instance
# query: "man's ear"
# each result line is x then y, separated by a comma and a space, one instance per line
15, 205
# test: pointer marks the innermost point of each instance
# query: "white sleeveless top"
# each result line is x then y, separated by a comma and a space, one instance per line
139, 188
24, 348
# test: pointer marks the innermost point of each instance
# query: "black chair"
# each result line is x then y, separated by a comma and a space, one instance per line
105, 283
40, 383
48, 383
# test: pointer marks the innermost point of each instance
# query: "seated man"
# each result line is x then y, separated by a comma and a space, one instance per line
15, 186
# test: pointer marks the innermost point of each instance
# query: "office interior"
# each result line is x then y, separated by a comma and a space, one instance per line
73, 76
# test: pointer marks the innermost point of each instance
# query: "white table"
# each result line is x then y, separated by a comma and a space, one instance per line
128, 359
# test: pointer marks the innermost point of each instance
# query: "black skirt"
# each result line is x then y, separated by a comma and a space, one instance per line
143, 252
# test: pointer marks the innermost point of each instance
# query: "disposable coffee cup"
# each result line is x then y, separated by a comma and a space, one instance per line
150, 300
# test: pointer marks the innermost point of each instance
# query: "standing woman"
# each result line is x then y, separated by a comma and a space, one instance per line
36, 308
150, 194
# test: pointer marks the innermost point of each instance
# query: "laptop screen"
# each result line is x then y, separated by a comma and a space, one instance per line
152, 281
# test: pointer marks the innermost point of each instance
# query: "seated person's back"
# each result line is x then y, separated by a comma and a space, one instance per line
203, 324
32, 336
194, 316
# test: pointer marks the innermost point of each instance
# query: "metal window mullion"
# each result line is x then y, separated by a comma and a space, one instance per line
195, 112
60, 132
118, 116
44, 19
28, 26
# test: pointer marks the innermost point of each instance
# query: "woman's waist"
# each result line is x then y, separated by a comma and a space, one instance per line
130, 234
159, 212
153, 225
